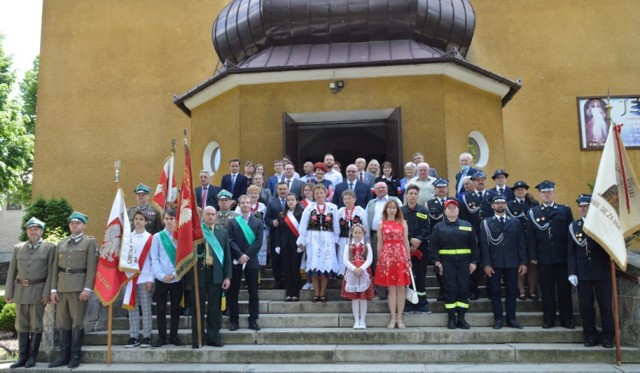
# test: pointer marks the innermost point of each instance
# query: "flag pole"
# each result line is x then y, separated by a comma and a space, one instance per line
116, 165
196, 287
170, 176
616, 317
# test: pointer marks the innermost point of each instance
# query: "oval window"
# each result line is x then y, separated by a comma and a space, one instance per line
478, 147
211, 158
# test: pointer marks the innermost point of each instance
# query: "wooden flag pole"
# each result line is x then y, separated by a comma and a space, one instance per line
616, 318
116, 165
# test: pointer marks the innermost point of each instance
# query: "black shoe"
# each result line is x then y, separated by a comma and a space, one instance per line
607, 344
474, 296
233, 326
215, 344
568, 325
497, 324
161, 342
194, 346
548, 325
514, 324
253, 325
146, 343
590, 343
451, 324
175, 341
440, 298
133, 342
36, 338
23, 346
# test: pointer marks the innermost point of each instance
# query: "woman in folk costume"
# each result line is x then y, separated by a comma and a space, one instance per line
287, 234
319, 229
258, 210
307, 198
320, 169
348, 216
307, 195
357, 285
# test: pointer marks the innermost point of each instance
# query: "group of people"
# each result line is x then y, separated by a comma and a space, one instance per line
370, 229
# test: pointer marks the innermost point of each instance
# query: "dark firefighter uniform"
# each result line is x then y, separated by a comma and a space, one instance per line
435, 207
418, 223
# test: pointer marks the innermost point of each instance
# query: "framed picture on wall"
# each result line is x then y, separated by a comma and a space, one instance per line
593, 125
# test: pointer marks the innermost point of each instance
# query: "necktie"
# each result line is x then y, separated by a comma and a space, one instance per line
288, 184
361, 176
502, 219
282, 202
233, 181
350, 186
442, 201
500, 190
204, 197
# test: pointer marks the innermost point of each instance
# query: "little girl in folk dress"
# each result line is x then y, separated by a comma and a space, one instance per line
357, 285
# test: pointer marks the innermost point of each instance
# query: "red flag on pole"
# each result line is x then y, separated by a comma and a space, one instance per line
166, 191
189, 232
116, 244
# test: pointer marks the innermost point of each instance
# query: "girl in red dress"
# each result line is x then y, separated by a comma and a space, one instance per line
357, 285
394, 260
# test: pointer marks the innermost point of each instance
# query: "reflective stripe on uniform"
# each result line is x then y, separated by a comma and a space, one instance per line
454, 251
462, 305
450, 306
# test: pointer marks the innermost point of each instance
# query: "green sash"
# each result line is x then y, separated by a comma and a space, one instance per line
248, 233
212, 240
169, 247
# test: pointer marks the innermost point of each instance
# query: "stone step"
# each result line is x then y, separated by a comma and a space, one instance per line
334, 283
350, 353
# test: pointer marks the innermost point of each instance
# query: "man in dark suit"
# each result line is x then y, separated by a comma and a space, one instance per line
363, 175
547, 245
274, 207
210, 191
465, 170
245, 238
294, 185
214, 275
278, 167
235, 182
503, 255
500, 177
361, 189
590, 271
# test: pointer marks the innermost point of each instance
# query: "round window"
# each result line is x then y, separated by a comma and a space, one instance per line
478, 147
211, 158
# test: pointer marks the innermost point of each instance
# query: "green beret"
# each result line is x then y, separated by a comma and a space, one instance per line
141, 188
34, 222
78, 216
224, 194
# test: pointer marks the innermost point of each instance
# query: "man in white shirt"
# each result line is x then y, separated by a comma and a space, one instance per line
425, 183
334, 176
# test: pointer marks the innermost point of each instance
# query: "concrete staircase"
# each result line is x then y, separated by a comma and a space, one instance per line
306, 336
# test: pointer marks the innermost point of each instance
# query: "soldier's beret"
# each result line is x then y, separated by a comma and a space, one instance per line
441, 182
141, 188
34, 222
500, 172
224, 194
584, 199
450, 201
521, 184
78, 216
546, 186
498, 198
478, 175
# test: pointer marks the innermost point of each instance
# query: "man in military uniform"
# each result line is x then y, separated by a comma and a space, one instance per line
453, 250
500, 177
214, 275
504, 258
72, 276
475, 206
154, 217
547, 242
225, 214
590, 271
28, 287
417, 218
435, 206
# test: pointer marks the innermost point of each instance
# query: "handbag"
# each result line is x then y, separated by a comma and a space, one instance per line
410, 292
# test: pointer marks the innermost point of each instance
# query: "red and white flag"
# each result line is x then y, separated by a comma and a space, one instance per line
189, 232
129, 299
166, 190
117, 261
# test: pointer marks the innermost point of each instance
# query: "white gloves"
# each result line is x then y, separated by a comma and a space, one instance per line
573, 279
278, 250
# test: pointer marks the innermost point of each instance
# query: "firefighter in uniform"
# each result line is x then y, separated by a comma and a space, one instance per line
547, 241
72, 276
453, 250
154, 217
590, 271
28, 288
504, 257
417, 218
435, 207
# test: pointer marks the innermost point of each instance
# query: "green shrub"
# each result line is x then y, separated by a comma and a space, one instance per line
53, 212
8, 318
2, 302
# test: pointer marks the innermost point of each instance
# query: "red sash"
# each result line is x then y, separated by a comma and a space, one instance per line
292, 223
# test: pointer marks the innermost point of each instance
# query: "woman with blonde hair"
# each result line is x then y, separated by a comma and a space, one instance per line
374, 168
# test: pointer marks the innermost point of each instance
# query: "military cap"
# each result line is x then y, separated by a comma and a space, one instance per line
498, 198
34, 222
224, 194
546, 186
78, 216
441, 182
450, 201
500, 172
584, 199
520, 184
141, 188
478, 175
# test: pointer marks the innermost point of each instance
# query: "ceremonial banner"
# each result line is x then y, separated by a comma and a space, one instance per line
166, 190
117, 261
614, 217
189, 231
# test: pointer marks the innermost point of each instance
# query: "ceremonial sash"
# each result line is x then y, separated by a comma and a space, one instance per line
248, 233
292, 223
213, 242
130, 293
169, 247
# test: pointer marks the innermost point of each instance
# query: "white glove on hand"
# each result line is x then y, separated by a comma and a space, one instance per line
278, 250
573, 279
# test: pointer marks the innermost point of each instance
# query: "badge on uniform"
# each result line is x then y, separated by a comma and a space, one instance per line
465, 229
422, 216
538, 220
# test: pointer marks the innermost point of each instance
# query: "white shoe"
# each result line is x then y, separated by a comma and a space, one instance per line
307, 286
356, 325
363, 325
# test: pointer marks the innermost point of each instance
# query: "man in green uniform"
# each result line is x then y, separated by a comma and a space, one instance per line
225, 213
28, 288
72, 275
214, 275
154, 217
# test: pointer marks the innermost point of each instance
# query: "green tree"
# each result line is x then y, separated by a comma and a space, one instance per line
29, 94
16, 143
53, 212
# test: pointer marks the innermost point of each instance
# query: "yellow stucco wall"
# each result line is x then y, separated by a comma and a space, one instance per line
108, 70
